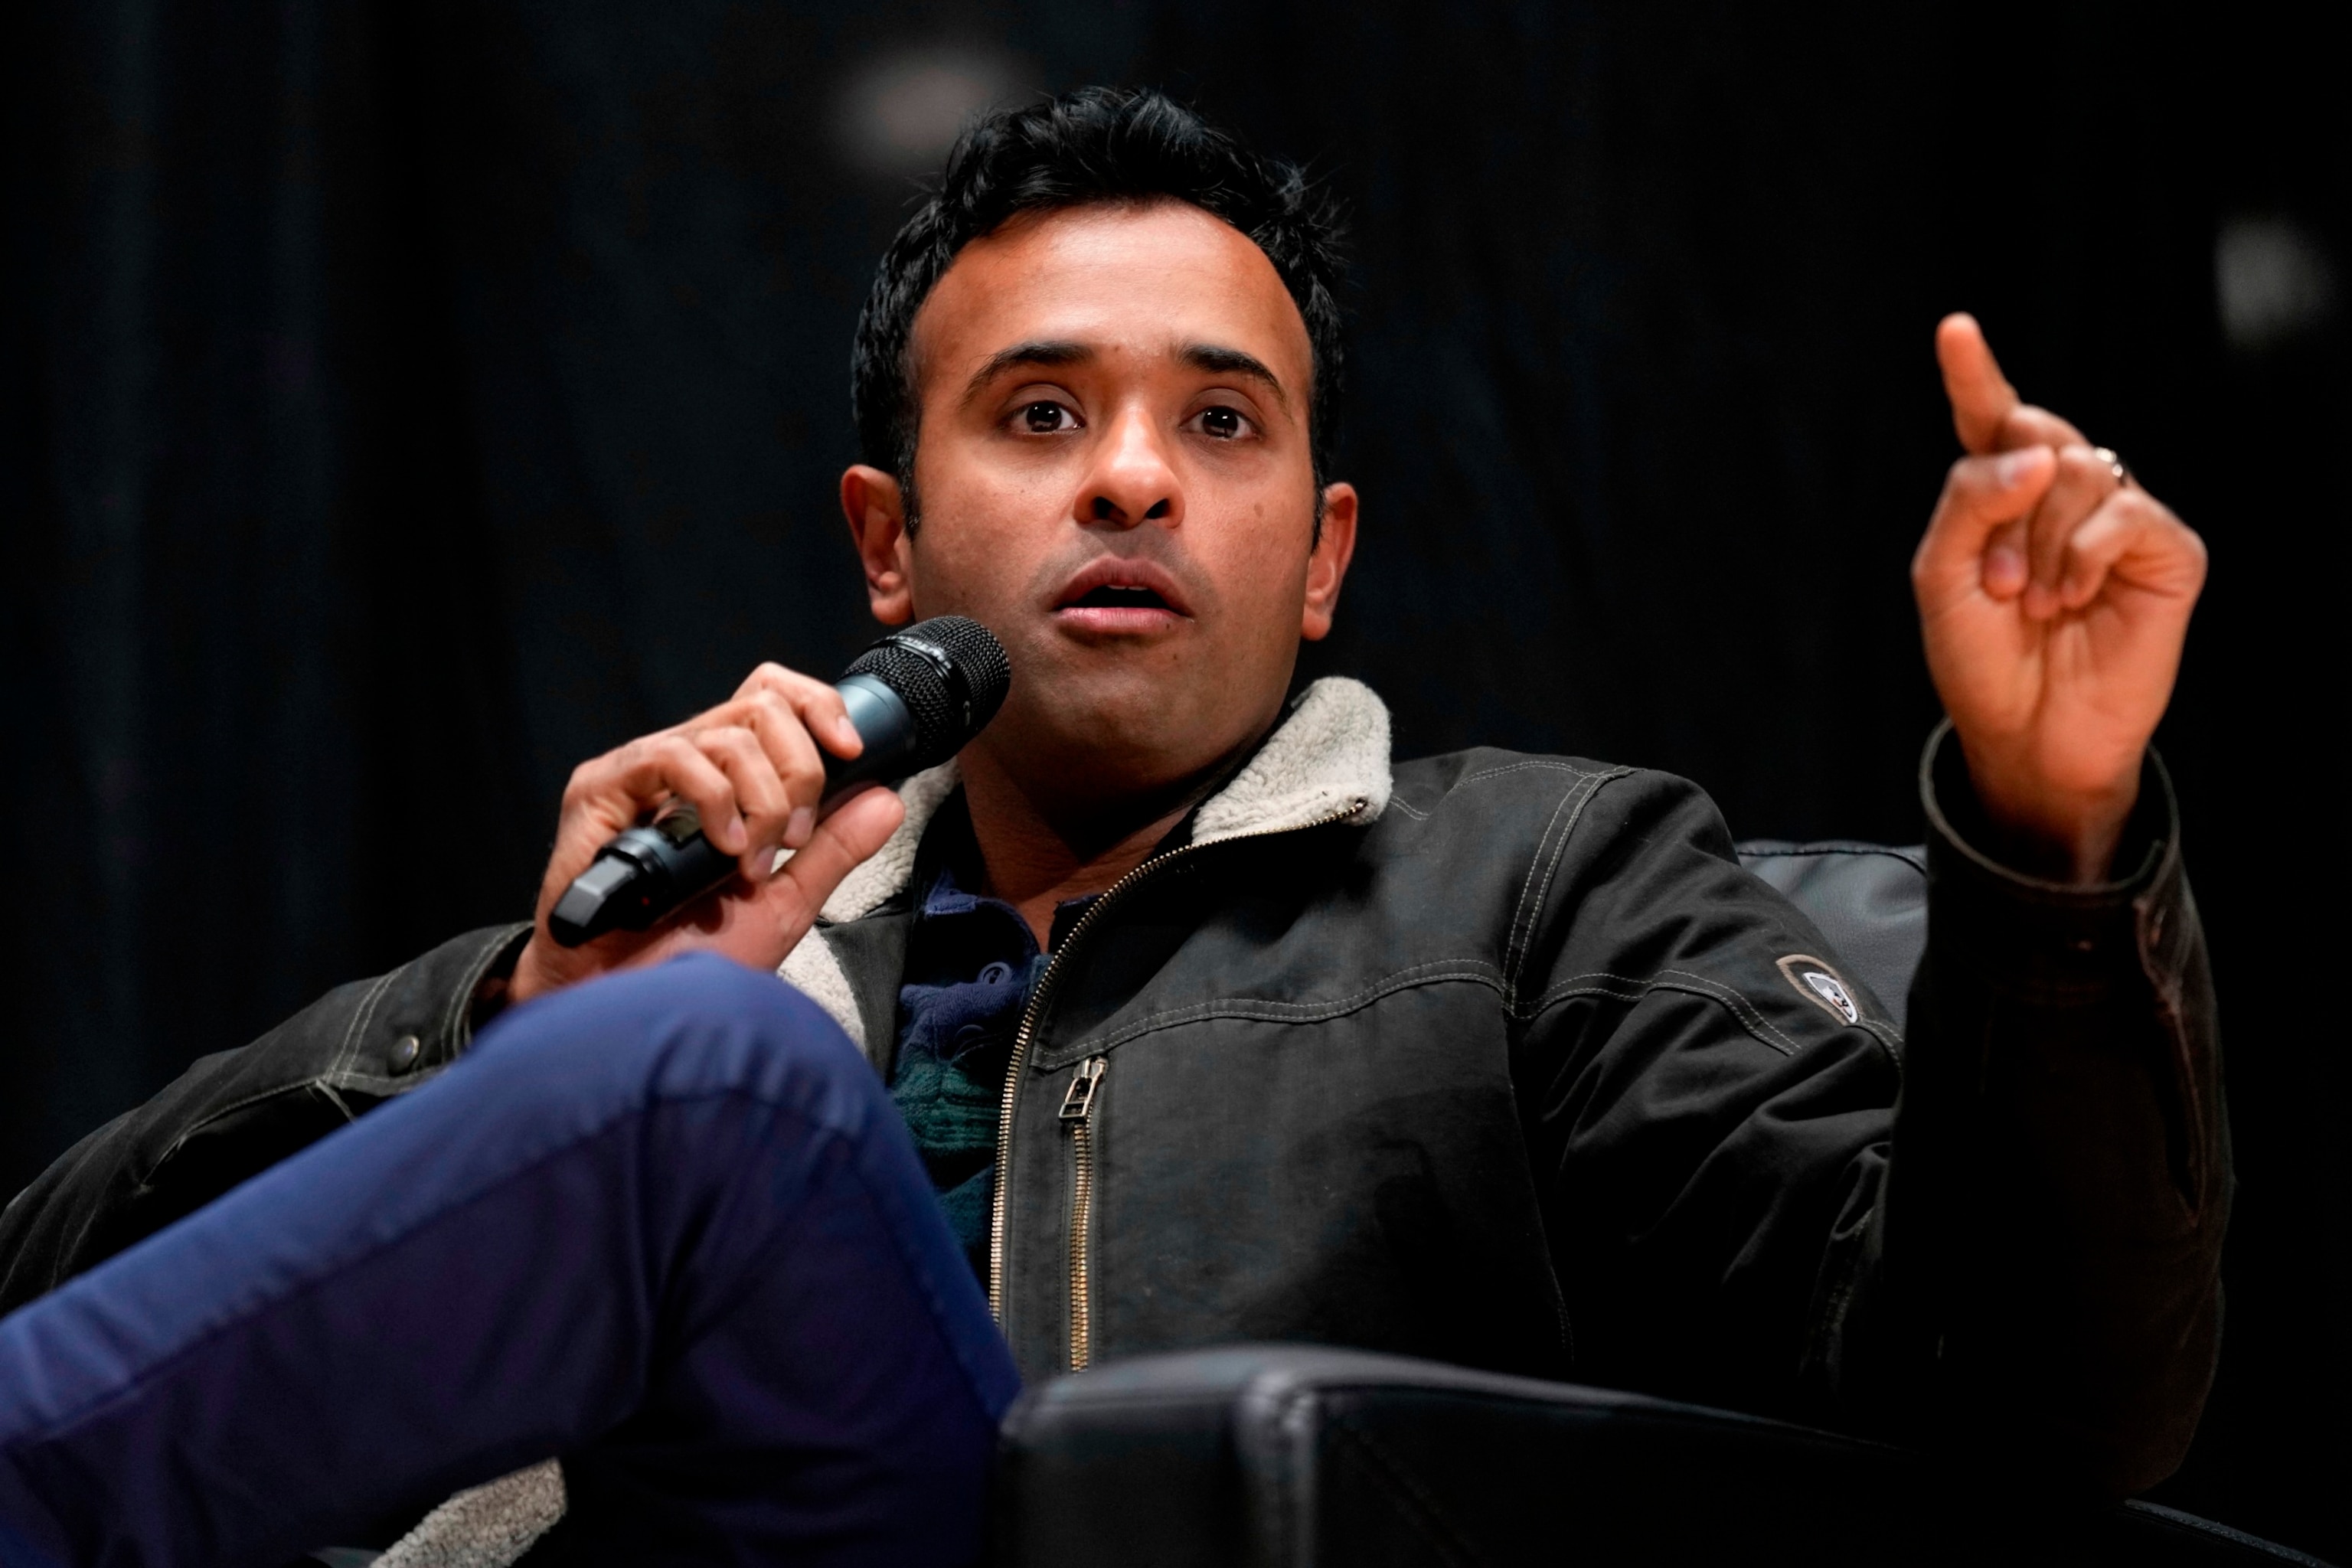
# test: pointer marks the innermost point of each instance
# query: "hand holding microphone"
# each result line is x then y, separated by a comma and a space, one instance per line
656, 824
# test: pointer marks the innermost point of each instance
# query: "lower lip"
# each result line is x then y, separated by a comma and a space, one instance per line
1117, 620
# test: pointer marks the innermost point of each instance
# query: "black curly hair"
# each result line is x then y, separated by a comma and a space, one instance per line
1095, 145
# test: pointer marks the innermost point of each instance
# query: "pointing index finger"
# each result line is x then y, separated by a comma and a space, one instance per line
1981, 397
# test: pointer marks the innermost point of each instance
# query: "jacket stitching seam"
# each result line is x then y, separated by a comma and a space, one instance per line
455, 1016
461, 998
1890, 1040
347, 1056
1809, 853
381, 1084
1574, 802
1628, 988
1548, 765
1262, 1010
317, 1080
1512, 950
1740, 1006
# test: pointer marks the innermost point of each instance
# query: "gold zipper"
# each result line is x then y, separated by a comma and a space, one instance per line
1077, 1115
1018, 1063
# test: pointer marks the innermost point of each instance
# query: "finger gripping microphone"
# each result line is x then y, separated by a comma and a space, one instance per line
915, 698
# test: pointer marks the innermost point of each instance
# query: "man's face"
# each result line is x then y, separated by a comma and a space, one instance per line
1113, 476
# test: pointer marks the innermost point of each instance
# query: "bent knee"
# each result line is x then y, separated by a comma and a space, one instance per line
695, 1024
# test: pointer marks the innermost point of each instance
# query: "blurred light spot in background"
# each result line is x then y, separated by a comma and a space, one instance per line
903, 112
2273, 282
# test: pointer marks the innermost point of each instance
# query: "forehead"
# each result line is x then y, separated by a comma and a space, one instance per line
1127, 280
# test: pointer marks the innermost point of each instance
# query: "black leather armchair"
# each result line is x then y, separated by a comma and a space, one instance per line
1301, 1457
1305, 1456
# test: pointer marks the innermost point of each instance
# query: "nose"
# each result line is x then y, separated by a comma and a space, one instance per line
1131, 481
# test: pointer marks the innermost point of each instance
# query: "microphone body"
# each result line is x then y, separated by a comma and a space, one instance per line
914, 699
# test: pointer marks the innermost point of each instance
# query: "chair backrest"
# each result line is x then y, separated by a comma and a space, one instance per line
1869, 900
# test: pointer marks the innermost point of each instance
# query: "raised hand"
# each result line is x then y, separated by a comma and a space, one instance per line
751, 768
2054, 594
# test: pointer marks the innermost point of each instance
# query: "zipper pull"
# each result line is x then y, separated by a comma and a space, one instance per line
1079, 1102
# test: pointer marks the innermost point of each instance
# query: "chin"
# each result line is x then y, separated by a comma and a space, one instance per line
1124, 734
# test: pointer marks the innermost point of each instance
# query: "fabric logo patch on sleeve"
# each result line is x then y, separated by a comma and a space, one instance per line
1821, 986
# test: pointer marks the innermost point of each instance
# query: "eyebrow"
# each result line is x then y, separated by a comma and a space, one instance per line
1218, 360
1048, 353
1055, 352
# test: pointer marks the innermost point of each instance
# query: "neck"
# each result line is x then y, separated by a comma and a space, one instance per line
1039, 855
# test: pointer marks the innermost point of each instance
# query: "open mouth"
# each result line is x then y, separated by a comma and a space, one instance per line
1116, 597
1119, 596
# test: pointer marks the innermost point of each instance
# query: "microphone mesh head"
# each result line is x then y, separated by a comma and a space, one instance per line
951, 673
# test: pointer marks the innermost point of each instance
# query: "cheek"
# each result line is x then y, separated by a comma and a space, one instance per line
979, 546
1266, 570
957, 485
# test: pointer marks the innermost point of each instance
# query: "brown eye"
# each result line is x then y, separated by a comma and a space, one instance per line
1045, 418
1224, 424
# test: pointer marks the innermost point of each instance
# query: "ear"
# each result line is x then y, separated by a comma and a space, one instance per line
877, 512
1329, 566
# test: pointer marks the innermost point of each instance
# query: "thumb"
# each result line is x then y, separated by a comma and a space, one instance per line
1981, 397
856, 829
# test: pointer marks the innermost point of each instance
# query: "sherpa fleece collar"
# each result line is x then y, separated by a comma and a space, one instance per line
1331, 754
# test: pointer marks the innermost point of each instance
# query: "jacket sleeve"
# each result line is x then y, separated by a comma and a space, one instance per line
2044, 1268
1736, 1216
232, 1115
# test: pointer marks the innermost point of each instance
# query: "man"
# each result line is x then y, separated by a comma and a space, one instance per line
1208, 1023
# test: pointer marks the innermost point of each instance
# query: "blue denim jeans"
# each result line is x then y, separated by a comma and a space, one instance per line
666, 1226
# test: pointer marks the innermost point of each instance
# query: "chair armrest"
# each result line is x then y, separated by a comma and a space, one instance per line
1301, 1457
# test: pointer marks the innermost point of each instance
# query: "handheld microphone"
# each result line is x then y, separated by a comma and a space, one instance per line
914, 699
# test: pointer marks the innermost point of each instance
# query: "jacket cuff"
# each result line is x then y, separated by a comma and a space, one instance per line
421, 1017
2031, 938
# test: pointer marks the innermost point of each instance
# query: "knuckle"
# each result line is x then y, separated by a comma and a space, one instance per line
715, 714
804, 689
773, 713
682, 761
789, 737
637, 757
1973, 483
734, 740
762, 674
771, 677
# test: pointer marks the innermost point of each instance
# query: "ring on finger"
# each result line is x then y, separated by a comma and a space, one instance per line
2115, 465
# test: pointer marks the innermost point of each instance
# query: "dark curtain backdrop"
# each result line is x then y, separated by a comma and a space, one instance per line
403, 401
